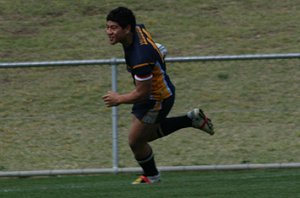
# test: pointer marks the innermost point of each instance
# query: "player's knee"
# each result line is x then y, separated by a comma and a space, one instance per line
136, 145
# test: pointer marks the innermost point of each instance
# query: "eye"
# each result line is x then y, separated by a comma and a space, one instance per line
113, 27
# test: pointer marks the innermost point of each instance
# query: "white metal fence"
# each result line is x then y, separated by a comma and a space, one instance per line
114, 62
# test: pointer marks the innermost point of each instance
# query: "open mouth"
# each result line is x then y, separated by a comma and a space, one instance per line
111, 38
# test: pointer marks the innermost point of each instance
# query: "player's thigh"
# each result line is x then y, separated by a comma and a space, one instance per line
141, 133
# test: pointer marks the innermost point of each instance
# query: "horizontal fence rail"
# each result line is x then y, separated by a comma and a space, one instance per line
113, 62
170, 59
138, 169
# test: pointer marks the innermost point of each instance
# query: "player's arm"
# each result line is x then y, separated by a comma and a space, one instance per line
140, 93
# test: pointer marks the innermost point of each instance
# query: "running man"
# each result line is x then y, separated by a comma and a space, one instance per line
153, 95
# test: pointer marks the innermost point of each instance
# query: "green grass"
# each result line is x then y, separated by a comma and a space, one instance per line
43, 30
240, 184
54, 118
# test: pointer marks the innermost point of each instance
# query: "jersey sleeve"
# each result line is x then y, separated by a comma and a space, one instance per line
143, 69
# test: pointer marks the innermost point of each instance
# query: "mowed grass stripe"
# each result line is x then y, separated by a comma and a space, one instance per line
254, 183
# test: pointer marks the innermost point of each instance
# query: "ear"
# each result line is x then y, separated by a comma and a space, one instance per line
128, 29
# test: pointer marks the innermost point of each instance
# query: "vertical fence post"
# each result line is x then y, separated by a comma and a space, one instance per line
114, 118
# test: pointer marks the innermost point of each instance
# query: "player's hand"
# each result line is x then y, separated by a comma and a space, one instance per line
111, 99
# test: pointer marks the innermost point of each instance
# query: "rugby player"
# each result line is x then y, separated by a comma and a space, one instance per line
153, 94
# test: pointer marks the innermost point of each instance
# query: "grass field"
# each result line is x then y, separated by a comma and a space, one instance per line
61, 29
53, 118
239, 184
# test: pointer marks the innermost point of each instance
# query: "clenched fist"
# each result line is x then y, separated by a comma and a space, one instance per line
111, 99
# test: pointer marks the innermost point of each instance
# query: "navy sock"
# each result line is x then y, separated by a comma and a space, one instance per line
170, 125
148, 165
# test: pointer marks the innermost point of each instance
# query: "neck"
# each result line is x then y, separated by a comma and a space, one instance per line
128, 40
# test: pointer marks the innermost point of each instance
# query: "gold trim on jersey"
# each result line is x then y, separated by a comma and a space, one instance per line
144, 40
147, 33
160, 89
141, 36
141, 65
156, 48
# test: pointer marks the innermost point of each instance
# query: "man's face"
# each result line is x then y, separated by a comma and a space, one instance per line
115, 32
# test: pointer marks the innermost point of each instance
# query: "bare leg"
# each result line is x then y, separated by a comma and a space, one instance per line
139, 136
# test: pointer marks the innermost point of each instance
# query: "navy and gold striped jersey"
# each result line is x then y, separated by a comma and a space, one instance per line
144, 61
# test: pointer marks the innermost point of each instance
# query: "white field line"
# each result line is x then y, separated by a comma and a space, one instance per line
138, 169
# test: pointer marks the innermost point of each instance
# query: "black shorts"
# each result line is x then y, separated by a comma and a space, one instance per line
152, 111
